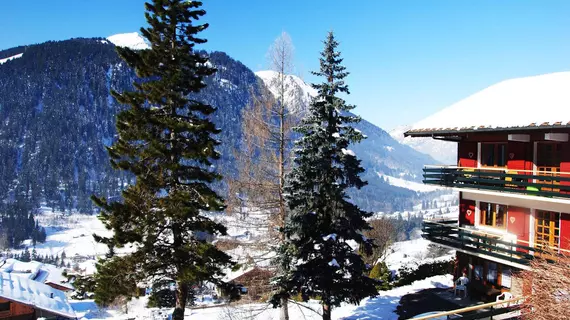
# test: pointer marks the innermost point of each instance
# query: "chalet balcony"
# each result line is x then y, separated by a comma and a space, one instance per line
551, 184
479, 243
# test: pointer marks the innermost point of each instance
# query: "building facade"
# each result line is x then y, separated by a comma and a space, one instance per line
514, 189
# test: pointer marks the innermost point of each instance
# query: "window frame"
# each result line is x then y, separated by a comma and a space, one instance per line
496, 154
495, 208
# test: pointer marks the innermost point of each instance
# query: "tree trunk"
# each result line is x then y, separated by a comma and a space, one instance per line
284, 309
181, 297
326, 312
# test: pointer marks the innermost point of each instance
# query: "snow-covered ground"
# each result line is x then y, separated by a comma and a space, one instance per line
415, 186
412, 253
380, 307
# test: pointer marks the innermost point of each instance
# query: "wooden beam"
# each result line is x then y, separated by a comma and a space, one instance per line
514, 301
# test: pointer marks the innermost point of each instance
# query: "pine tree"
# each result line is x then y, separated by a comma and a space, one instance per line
322, 217
165, 138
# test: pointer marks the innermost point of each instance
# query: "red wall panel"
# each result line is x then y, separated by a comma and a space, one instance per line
467, 154
565, 231
565, 164
519, 155
518, 223
466, 212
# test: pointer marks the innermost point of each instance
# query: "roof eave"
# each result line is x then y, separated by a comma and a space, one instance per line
417, 133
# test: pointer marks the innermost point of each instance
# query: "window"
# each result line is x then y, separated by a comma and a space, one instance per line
493, 215
4, 306
506, 277
478, 272
494, 154
548, 154
492, 273
547, 232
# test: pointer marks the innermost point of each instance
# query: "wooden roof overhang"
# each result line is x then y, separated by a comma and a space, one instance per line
458, 134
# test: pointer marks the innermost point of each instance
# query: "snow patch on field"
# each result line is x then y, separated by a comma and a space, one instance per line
412, 253
415, 186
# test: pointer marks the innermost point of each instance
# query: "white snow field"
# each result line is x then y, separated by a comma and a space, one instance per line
132, 40
411, 185
513, 103
381, 307
412, 253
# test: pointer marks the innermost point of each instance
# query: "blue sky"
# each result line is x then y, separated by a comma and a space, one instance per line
407, 58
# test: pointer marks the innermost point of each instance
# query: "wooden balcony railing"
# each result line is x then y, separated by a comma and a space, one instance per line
477, 242
545, 184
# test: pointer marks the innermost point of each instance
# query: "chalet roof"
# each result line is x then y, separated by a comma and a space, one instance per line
537, 102
41, 272
34, 294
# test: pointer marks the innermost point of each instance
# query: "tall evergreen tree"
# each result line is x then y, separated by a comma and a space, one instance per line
322, 218
166, 140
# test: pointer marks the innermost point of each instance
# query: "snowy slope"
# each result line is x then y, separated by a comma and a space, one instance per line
296, 89
382, 307
132, 40
16, 56
380, 153
513, 103
416, 186
442, 151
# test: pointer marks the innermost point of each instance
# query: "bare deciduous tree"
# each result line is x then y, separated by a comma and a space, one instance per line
264, 155
383, 233
550, 293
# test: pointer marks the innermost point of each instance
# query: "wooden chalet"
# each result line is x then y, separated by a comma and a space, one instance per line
26, 299
255, 282
513, 178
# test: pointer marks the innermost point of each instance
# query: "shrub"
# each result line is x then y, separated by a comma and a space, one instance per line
381, 273
409, 274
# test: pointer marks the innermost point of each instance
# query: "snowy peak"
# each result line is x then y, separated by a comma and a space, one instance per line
131, 40
298, 93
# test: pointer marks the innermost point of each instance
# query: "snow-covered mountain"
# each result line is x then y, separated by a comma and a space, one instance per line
381, 155
132, 40
444, 152
520, 102
512, 102
296, 88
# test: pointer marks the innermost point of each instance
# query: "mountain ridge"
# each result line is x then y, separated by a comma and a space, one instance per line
62, 88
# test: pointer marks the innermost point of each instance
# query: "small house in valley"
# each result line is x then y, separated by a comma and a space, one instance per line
26, 299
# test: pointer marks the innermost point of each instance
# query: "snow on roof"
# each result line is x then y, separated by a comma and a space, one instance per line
232, 275
131, 40
51, 274
37, 271
18, 268
35, 294
536, 101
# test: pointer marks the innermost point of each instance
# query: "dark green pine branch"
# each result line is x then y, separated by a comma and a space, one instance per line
167, 140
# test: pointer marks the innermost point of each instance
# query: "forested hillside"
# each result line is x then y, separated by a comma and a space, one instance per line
58, 115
